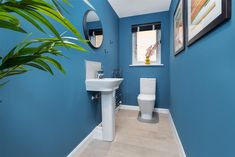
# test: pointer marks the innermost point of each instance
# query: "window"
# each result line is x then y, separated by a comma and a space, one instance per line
96, 37
144, 37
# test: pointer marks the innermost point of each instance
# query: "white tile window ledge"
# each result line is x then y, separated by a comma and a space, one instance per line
146, 65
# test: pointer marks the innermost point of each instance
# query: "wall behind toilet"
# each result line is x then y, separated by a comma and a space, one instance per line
48, 116
132, 75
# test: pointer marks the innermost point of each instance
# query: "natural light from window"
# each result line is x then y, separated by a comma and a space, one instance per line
144, 40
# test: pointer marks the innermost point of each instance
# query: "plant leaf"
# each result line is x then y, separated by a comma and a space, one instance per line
28, 18
5, 16
30, 13
11, 26
58, 17
9, 55
17, 61
56, 52
59, 5
36, 66
44, 65
55, 63
27, 51
55, 2
15, 72
3, 84
70, 45
37, 16
67, 2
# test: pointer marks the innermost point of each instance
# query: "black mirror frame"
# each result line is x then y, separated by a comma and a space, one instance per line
85, 31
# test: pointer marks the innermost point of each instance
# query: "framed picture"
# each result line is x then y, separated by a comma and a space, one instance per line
205, 15
179, 28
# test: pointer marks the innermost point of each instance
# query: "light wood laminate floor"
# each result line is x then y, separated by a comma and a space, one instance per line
136, 139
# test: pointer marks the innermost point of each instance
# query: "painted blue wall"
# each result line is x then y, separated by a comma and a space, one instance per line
94, 25
202, 92
44, 115
132, 75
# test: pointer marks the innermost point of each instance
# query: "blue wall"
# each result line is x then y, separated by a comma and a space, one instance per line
47, 116
202, 92
94, 25
132, 75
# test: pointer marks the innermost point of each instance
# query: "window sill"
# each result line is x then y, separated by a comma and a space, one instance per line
146, 65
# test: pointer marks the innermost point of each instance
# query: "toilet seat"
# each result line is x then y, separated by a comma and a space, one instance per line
146, 97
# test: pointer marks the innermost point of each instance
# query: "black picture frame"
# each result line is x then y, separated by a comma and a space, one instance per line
224, 16
182, 2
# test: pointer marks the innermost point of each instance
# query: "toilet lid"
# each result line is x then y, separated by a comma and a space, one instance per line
146, 97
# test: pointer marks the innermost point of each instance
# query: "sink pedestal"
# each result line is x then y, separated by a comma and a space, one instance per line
107, 87
108, 115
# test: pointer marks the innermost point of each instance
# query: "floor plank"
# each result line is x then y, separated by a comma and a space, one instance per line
136, 139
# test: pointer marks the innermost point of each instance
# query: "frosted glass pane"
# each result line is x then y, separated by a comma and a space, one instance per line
144, 40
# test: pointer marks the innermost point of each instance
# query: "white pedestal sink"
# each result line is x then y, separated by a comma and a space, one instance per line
107, 87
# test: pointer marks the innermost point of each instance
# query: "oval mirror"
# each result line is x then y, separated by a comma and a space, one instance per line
92, 28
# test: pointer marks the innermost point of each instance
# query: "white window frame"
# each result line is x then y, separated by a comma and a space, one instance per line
134, 52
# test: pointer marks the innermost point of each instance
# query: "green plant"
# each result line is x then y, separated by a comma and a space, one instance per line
37, 53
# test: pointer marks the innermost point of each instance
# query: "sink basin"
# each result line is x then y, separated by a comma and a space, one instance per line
103, 85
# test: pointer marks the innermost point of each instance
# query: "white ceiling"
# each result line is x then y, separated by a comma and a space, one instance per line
126, 8
92, 17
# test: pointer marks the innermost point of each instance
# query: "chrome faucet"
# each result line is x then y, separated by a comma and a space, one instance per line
100, 74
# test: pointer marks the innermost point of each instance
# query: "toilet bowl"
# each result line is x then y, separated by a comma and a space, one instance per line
146, 98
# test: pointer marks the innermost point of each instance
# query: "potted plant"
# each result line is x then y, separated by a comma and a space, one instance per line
39, 53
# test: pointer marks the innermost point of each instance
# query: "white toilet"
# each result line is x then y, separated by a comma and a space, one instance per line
146, 98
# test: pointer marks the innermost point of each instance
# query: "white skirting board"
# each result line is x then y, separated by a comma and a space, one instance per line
97, 132
179, 144
79, 149
136, 108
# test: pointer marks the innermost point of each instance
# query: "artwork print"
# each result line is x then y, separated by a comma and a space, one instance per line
204, 15
179, 28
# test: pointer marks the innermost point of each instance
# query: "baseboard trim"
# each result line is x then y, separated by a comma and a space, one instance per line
179, 144
129, 107
136, 108
161, 110
97, 132
81, 147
